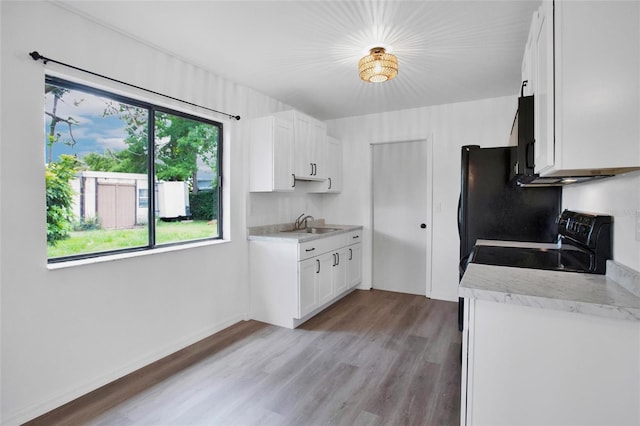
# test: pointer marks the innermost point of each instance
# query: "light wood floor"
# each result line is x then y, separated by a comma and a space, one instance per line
374, 358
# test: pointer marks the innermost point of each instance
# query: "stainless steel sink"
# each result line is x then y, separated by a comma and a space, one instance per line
313, 230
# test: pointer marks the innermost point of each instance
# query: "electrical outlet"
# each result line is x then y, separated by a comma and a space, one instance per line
638, 225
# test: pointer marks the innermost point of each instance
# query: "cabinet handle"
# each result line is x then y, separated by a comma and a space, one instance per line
334, 260
293, 180
530, 160
338, 254
329, 183
318, 271
350, 254
311, 164
311, 249
356, 236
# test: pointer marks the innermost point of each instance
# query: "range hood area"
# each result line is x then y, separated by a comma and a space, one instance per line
522, 135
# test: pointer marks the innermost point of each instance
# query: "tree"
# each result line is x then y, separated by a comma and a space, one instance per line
107, 162
59, 194
182, 145
134, 158
60, 197
53, 136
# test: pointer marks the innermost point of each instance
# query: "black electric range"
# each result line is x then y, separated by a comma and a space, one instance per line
585, 245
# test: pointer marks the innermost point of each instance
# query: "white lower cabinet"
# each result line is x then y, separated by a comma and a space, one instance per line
323, 278
308, 271
339, 271
291, 282
528, 365
354, 265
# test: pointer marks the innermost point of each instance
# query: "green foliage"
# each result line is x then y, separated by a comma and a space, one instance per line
204, 205
84, 242
60, 198
182, 143
106, 162
88, 224
134, 158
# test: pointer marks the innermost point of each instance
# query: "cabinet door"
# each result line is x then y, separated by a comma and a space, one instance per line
354, 265
339, 271
324, 277
318, 148
271, 155
597, 83
528, 58
334, 167
308, 270
283, 172
303, 163
544, 98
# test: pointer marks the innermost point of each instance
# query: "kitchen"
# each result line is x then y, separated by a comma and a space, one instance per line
68, 331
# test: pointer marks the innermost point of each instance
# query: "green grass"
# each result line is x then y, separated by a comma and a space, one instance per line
82, 242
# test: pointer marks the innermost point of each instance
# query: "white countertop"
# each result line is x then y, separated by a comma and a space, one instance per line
275, 233
566, 291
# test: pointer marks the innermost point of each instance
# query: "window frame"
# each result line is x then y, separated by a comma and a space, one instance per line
152, 109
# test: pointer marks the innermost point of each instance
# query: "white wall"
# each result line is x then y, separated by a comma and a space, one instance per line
67, 331
618, 196
485, 123
274, 208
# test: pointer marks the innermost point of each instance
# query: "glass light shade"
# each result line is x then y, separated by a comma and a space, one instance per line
378, 66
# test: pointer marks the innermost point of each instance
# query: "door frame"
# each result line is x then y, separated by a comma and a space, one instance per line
428, 140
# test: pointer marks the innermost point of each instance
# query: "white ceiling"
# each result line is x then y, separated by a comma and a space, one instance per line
305, 53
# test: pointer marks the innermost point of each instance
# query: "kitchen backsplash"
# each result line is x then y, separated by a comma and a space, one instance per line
273, 208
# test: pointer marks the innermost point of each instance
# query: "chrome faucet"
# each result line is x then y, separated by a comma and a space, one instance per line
300, 220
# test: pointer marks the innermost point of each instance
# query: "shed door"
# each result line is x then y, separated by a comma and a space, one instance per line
117, 205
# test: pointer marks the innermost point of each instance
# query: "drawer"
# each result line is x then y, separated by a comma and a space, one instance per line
353, 237
319, 246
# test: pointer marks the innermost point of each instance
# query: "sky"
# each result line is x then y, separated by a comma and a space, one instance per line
95, 131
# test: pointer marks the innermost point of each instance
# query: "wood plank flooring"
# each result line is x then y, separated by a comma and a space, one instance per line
373, 358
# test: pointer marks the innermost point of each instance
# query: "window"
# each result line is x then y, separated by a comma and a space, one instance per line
143, 198
103, 154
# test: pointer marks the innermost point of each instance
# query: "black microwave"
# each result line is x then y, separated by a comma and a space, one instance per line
522, 135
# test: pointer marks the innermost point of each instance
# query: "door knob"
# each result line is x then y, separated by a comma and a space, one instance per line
423, 225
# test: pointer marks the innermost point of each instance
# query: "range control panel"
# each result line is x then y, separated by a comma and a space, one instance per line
588, 229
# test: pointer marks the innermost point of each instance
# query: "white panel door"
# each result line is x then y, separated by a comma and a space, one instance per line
399, 174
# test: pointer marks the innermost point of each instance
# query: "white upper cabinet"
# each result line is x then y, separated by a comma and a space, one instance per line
333, 182
586, 80
528, 59
271, 155
309, 145
542, 73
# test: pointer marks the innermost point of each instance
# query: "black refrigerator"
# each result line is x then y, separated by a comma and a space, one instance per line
492, 206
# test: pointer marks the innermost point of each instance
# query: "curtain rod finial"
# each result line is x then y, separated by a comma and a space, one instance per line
35, 55
237, 117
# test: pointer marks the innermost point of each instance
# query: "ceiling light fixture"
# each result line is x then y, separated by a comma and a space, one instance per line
378, 66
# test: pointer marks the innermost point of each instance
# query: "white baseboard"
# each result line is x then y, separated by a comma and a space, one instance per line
55, 401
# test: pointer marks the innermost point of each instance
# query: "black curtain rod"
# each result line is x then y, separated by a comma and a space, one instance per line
36, 56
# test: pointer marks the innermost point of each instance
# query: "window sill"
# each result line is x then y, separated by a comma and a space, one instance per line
112, 257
